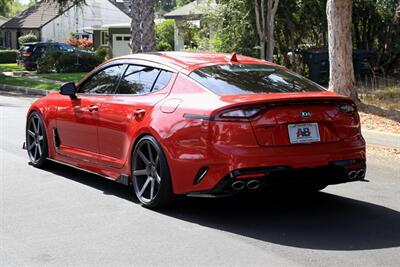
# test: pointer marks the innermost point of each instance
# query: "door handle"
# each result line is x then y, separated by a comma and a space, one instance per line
139, 113
93, 108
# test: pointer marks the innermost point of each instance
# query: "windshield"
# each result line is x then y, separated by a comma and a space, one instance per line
232, 79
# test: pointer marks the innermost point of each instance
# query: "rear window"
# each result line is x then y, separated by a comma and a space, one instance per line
232, 79
27, 48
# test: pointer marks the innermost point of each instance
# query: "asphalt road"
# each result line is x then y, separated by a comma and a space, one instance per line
61, 216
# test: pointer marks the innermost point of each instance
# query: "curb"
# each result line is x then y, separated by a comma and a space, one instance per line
23, 90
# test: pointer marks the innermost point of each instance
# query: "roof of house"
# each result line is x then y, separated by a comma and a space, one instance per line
2, 20
193, 10
123, 5
35, 16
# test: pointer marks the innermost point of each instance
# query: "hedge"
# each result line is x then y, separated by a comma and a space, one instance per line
28, 38
8, 56
68, 62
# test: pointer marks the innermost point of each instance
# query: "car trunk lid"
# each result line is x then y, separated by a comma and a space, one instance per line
299, 119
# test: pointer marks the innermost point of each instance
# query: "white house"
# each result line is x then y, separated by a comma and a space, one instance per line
48, 23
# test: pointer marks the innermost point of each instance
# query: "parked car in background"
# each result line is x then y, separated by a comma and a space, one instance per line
31, 52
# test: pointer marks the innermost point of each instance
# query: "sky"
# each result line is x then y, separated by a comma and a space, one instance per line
24, 1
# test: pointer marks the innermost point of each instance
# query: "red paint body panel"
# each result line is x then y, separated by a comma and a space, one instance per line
102, 140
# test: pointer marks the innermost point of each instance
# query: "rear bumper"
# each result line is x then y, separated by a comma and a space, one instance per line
335, 172
321, 164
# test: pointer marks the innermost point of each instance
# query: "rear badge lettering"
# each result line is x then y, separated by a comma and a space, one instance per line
305, 114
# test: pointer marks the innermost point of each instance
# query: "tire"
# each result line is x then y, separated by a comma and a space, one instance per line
36, 140
150, 174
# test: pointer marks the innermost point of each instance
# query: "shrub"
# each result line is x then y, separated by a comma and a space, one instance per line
46, 63
27, 38
67, 62
8, 56
84, 43
165, 35
163, 46
72, 41
103, 53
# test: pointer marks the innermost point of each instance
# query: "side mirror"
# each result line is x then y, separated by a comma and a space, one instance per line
68, 89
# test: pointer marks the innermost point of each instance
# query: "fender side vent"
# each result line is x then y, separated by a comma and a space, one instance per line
56, 138
200, 175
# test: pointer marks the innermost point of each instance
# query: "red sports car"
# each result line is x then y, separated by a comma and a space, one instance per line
199, 124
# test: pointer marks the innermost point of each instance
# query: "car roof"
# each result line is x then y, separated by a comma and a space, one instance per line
37, 43
187, 62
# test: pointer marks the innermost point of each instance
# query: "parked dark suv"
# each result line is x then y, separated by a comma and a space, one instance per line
31, 52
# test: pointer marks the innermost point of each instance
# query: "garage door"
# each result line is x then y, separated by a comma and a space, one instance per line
121, 44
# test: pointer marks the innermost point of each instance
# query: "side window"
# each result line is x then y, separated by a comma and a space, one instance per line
102, 82
163, 79
39, 49
137, 80
67, 48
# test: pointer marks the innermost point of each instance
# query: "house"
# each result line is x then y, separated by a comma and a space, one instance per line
189, 13
49, 23
116, 36
3, 20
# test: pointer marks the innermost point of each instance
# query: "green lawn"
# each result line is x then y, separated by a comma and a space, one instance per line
10, 67
27, 83
64, 77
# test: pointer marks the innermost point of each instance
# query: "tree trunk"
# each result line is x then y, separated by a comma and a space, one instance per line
272, 7
148, 33
260, 25
136, 31
265, 16
339, 15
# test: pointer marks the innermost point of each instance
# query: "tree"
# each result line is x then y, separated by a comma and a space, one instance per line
265, 18
142, 26
5, 7
341, 74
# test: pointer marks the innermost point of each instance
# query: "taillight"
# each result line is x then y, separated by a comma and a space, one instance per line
238, 114
348, 108
26, 54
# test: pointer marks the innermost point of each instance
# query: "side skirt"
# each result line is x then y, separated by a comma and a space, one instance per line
122, 179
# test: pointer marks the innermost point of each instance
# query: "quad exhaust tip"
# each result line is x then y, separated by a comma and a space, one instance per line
361, 174
352, 175
238, 185
356, 174
253, 184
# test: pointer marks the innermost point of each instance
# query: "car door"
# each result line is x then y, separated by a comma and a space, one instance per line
139, 89
77, 119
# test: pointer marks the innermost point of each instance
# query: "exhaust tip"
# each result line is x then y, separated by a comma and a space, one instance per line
238, 185
352, 175
253, 184
361, 174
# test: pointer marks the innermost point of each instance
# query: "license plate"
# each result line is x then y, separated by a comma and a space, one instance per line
303, 133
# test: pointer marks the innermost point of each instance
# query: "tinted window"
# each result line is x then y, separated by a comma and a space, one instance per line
138, 80
102, 82
67, 48
27, 48
252, 79
162, 80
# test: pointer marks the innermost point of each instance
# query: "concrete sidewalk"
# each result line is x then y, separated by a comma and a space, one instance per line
381, 138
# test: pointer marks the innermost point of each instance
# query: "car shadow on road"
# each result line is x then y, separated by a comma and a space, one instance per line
319, 221
108, 187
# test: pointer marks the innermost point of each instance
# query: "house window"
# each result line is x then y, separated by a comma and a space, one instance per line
104, 38
7, 39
